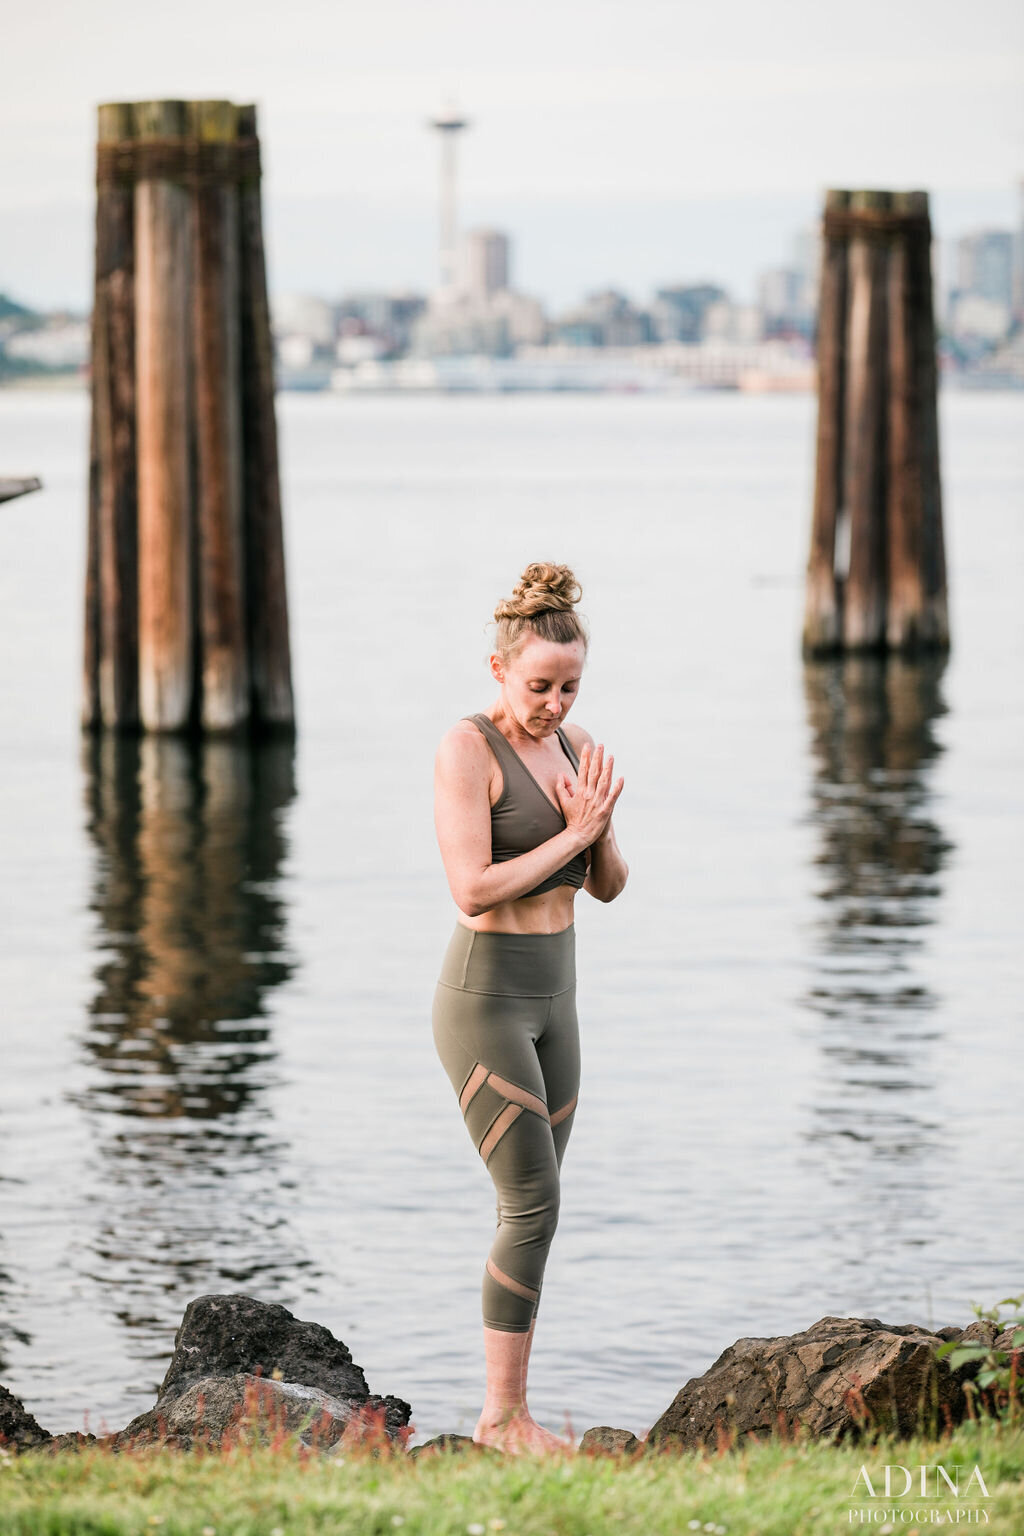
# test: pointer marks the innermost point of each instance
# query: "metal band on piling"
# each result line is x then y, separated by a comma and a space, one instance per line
192, 162
882, 224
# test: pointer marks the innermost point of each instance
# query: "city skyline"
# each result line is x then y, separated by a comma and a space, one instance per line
635, 145
730, 243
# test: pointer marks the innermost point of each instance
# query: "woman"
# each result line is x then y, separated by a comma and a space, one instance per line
519, 835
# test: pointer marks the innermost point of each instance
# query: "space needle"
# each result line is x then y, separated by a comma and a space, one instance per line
449, 124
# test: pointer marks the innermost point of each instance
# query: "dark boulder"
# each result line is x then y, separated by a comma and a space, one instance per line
223, 1342
17, 1426
229, 1335
217, 1409
842, 1377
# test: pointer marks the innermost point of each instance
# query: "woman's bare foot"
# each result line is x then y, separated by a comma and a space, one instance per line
518, 1433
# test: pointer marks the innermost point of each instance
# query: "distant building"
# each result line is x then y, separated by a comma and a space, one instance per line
527, 322
485, 258
492, 327
482, 314
295, 352
357, 342
677, 313
974, 315
61, 343
606, 318
302, 314
387, 316
783, 299
740, 324
577, 328
981, 304
985, 265
808, 247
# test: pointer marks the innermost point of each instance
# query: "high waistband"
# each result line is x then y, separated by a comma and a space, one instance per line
510, 964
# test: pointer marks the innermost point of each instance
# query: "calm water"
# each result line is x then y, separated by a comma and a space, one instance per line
801, 1023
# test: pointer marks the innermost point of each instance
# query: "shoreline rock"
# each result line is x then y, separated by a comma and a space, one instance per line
243, 1367
844, 1377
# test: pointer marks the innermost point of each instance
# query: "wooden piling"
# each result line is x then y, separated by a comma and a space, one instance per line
269, 646
864, 598
934, 627
186, 618
164, 407
111, 607
906, 446
877, 434
822, 617
218, 409
90, 711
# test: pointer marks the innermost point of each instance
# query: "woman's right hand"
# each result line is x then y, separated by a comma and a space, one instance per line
587, 805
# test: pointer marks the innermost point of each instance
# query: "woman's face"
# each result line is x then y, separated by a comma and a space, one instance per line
540, 682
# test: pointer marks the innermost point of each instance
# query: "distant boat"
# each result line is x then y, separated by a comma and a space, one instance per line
10, 488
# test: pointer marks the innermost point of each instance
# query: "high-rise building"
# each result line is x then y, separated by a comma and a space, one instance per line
808, 245
485, 259
985, 265
678, 312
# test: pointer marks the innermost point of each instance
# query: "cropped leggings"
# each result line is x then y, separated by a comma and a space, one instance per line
505, 1028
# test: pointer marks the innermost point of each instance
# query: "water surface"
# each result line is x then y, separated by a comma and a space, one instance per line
800, 1023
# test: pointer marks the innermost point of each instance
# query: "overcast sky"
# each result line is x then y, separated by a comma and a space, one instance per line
624, 142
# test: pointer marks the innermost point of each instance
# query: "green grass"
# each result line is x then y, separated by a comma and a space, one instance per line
776, 1488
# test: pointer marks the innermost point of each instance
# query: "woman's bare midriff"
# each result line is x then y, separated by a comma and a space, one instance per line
549, 912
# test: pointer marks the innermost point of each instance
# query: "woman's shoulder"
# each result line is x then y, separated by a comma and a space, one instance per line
464, 741
578, 737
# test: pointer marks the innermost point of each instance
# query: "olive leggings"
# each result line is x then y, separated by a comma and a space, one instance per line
505, 1028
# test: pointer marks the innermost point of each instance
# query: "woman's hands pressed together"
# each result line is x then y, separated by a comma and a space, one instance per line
587, 805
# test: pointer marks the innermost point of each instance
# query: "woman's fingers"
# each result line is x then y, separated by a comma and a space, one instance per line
594, 778
614, 794
594, 766
586, 758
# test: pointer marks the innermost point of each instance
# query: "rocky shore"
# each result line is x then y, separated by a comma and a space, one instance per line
242, 1366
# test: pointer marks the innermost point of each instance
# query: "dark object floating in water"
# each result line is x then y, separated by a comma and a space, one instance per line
10, 488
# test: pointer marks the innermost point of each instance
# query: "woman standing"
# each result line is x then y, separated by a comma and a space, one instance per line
523, 808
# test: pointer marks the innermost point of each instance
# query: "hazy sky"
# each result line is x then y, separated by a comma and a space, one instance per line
625, 142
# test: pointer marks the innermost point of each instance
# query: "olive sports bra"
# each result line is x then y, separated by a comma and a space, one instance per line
522, 816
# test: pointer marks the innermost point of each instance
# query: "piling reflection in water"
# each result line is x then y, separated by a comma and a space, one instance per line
191, 1185
875, 1128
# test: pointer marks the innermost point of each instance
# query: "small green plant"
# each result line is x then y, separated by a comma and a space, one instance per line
1000, 1380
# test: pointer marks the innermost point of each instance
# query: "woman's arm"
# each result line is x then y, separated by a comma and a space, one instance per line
608, 871
462, 817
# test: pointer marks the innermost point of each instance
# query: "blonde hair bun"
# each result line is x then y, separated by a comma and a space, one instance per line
543, 603
541, 588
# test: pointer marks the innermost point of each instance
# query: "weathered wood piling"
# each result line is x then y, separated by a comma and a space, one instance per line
876, 576
186, 614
